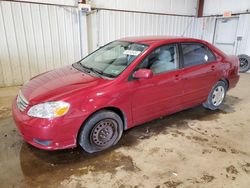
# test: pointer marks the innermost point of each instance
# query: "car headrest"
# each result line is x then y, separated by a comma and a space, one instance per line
165, 55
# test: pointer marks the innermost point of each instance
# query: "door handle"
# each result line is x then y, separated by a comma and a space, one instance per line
212, 67
177, 77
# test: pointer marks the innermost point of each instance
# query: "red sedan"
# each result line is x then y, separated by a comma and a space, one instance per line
122, 84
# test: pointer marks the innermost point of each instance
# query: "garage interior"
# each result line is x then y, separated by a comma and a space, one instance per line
192, 148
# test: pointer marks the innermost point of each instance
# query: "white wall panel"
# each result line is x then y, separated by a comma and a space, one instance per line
36, 38
57, 2
206, 26
111, 25
212, 7
184, 7
244, 32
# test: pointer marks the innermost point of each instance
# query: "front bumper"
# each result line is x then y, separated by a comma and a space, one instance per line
47, 134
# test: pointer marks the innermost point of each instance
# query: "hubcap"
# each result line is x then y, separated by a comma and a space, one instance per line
218, 95
243, 63
104, 133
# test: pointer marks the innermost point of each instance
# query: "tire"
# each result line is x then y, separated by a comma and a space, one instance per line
244, 63
101, 131
216, 96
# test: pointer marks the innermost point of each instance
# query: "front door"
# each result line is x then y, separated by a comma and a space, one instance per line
160, 94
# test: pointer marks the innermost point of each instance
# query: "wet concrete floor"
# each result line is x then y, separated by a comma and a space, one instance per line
192, 148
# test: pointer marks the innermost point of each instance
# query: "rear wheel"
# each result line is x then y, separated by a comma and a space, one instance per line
216, 96
101, 131
244, 63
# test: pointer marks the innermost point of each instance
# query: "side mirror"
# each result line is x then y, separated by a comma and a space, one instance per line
143, 74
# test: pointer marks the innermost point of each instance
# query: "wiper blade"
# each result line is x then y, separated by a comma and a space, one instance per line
99, 72
103, 73
83, 66
88, 69
108, 75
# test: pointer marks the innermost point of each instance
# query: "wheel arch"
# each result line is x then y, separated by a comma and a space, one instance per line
226, 81
110, 108
117, 111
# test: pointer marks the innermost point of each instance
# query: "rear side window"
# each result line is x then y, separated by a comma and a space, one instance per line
211, 56
196, 54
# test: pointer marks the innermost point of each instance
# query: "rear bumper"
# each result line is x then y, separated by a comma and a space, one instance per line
233, 81
47, 134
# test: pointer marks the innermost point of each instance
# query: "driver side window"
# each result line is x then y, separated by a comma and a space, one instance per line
162, 59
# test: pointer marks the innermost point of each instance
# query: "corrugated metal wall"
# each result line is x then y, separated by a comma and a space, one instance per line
35, 38
212, 7
110, 25
183, 7
54, 2
237, 7
207, 25
244, 31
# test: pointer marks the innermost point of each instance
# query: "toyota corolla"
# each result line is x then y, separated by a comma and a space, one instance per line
119, 86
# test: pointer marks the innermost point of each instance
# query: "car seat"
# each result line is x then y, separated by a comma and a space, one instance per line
164, 63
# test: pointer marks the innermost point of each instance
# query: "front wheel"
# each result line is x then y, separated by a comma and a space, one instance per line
101, 131
216, 96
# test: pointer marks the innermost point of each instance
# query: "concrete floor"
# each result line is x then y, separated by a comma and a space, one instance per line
193, 148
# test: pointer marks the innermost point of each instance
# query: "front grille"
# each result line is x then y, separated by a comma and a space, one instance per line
21, 102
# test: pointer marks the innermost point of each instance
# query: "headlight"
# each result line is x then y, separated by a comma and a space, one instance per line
49, 109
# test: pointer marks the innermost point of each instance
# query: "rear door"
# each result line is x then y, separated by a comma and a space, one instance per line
199, 73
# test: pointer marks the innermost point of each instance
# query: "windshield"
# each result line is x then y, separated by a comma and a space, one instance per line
113, 58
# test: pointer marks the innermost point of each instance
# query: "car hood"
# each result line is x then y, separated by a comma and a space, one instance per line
56, 83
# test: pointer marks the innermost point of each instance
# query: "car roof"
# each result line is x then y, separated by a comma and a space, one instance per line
159, 39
